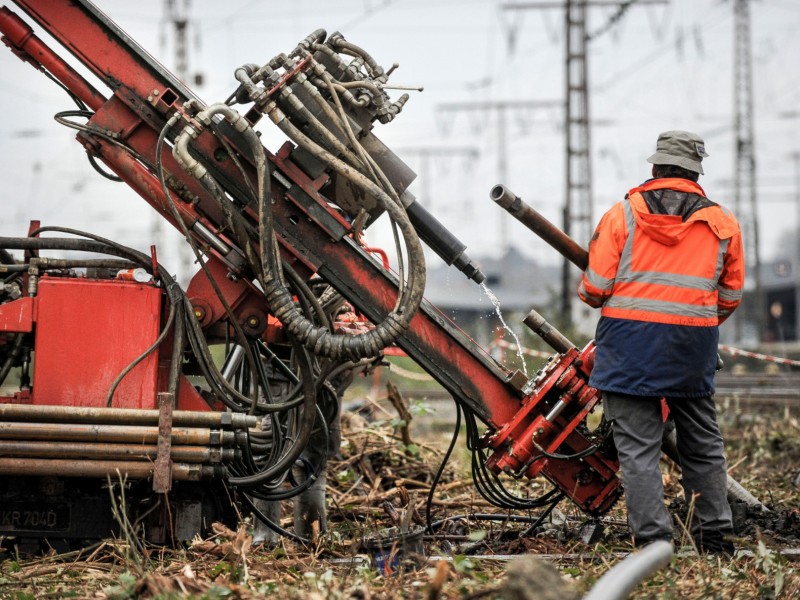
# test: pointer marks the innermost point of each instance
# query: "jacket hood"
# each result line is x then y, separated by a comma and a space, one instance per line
671, 229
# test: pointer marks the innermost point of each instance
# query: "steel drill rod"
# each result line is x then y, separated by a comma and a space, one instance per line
83, 432
539, 225
21, 467
100, 451
540, 326
123, 416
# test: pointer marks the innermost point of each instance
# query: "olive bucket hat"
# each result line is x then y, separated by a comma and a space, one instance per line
680, 148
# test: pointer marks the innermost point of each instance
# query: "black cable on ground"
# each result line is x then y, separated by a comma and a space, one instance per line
271, 524
501, 518
440, 470
529, 531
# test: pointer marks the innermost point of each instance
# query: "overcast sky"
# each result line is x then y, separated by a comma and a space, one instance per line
660, 67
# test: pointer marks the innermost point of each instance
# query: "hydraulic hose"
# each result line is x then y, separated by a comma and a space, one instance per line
317, 339
367, 344
53, 264
30, 243
334, 144
196, 340
306, 428
12, 357
376, 72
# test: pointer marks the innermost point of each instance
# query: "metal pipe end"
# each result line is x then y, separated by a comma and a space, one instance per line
502, 195
534, 321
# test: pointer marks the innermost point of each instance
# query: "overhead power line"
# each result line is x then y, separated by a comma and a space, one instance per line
500, 109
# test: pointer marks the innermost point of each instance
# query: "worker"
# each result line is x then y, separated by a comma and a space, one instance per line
666, 268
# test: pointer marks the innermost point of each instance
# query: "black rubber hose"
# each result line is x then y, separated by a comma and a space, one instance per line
196, 339
306, 427
12, 357
271, 524
440, 470
29, 243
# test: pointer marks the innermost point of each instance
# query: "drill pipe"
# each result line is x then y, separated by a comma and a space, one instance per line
554, 338
85, 432
98, 451
123, 416
23, 467
539, 225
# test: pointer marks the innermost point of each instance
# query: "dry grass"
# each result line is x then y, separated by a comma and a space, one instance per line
378, 478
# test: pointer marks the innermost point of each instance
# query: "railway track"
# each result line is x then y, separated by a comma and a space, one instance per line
742, 392
751, 391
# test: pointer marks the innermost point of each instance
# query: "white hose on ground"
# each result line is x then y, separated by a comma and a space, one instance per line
622, 578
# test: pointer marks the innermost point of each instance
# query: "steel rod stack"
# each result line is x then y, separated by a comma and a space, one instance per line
98, 442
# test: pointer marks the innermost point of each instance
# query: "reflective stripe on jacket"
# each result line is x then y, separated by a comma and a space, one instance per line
660, 268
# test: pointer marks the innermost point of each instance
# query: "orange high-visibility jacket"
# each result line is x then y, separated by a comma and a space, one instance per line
661, 269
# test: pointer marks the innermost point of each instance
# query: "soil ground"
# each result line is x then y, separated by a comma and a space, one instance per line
378, 478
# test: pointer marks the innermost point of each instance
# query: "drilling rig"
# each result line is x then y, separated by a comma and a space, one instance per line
191, 402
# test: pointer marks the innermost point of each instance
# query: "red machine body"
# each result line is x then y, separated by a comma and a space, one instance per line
125, 318
75, 365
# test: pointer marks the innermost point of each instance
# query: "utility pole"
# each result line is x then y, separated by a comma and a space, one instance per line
426, 154
577, 219
578, 182
177, 19
500, 108
795, 156
745, 167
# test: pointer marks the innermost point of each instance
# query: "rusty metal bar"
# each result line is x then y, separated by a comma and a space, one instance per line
84, 432
102, 468
539, 225
126, 416
539, 325
100, 451
162, 477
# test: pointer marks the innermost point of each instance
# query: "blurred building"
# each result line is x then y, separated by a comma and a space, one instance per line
517, 282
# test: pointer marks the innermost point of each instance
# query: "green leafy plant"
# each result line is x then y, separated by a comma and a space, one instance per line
773, 565
124, 589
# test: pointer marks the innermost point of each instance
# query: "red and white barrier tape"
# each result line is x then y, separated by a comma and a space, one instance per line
722, 347
540, 354
508, 346
775, 359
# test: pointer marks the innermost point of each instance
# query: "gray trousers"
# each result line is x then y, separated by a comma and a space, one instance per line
638, 428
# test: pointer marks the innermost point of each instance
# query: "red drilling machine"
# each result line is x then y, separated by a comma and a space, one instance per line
144, 403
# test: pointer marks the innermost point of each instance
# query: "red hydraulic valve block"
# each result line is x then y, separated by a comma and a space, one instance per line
547, 437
